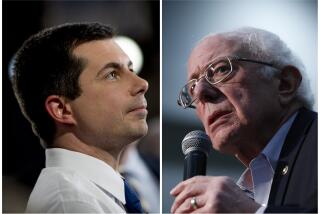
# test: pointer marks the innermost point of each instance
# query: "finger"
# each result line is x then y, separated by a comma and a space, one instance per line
192, 187
174, 207
203, 209
206, 206
186, 206
177, 189
189, 192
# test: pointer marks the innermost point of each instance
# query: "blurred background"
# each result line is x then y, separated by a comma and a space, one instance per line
23, 157
186, 22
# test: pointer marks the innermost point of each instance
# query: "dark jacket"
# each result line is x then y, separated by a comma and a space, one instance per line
295, 183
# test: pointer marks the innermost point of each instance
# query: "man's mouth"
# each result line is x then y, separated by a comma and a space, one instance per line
139, 107
215, 116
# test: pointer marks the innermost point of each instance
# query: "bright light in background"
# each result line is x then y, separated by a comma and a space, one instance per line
128, 45
132, 49
10, 68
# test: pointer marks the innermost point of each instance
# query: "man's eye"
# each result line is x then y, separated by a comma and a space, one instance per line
223, 69
112, 75
191, 89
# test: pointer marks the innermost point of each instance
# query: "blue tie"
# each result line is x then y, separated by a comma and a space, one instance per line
132, 201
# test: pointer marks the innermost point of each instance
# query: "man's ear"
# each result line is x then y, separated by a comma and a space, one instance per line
290, 79
59, 110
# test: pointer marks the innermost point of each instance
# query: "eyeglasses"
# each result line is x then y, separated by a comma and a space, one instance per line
215, 72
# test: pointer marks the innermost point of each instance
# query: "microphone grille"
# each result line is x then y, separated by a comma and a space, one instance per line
196, 141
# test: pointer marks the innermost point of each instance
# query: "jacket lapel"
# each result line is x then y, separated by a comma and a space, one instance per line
289, 152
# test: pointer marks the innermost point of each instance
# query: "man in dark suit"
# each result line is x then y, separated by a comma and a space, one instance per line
294, 186
252, 95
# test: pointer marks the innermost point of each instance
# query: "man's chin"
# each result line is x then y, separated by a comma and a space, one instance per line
140, 131
222, 143
224, 149
144, 131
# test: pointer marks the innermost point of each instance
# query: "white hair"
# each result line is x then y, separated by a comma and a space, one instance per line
268, 47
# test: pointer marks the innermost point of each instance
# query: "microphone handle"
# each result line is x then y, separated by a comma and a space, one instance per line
195, 163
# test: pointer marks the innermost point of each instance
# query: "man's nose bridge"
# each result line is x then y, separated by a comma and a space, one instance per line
201, 85
205, 90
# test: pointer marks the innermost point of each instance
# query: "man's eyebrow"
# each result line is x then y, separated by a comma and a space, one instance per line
195, 74
115, 65
109, 65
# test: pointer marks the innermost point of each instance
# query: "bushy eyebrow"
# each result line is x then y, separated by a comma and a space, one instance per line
199, 70
197, 73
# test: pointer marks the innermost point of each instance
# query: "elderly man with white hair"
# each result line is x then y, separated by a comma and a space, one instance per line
252, 95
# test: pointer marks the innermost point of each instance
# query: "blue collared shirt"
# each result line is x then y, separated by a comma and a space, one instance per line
258, 178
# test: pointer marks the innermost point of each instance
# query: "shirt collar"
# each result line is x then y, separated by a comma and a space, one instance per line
245, 180
269, 155
94, 169
273, 148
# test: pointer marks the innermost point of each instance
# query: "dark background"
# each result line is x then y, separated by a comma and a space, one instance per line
23, 157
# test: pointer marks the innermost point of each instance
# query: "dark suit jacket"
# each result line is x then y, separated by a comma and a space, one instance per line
295, 183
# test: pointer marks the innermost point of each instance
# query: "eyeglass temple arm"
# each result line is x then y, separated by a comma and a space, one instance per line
255, 61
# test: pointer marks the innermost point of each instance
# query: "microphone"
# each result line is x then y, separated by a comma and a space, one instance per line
196, 146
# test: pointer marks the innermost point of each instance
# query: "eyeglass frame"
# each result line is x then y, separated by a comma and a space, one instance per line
205, 73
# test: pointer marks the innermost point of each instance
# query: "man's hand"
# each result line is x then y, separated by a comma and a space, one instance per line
213, 195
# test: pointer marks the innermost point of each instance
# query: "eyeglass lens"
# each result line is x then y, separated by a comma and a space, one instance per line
215, 72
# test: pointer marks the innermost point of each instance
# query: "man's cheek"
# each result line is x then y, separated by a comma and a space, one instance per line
200, 114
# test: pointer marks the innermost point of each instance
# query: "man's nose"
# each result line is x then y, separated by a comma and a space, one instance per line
206, 92
140, 85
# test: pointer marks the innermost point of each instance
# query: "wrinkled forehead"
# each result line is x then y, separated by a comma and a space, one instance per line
207, 50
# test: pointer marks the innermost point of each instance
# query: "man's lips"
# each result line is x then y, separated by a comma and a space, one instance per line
140, 107
216, 115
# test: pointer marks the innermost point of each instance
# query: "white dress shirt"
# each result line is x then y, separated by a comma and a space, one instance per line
258, 178
73, 182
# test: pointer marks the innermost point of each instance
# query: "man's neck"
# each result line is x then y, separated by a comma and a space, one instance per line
70, 142
246, 155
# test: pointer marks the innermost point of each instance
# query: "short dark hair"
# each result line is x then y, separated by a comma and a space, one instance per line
45, 65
